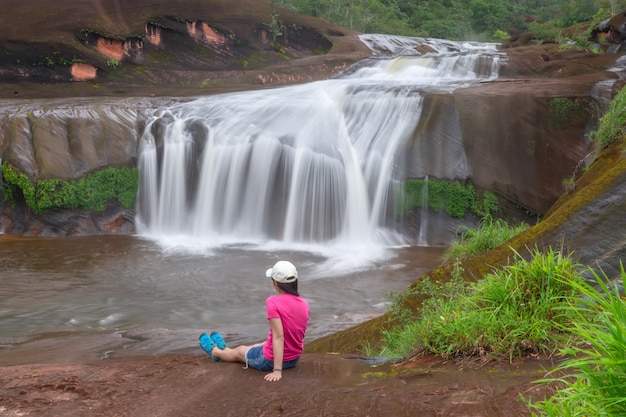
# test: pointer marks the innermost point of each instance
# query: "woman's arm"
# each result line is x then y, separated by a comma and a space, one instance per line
278, 348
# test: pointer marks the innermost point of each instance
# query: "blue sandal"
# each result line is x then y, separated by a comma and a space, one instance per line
207, 344
218, 340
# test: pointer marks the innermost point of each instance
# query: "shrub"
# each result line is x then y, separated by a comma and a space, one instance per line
546, 32
500, 35
91, 192
113, 63
455, 197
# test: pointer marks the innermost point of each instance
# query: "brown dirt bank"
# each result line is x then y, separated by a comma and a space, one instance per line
321, 385
174, 48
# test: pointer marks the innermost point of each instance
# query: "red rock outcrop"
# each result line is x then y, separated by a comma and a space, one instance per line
83, 72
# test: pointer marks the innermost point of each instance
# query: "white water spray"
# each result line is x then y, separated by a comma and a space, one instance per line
422, 239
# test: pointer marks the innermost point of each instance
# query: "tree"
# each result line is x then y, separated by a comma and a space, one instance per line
453, 19
487, 15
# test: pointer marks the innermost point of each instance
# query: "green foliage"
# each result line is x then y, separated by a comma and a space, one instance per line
576, 11
54, 193
56, 59
564, 111
458, 198
91, 192
458, 19
454, 197
12, 177
280, 51
500, 35
613, 123
578, 39
546, 32
275, 27
487, 15
401, 341
45, 61
569, 183
156, 21
397, 308
85, 32
113, 63
370, 16
490, 234
488, 205
593, 381
512, 312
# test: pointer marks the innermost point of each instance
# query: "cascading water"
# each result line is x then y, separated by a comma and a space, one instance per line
314, 164
421, 237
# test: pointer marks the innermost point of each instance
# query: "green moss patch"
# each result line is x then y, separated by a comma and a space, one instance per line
91, 192
455, 197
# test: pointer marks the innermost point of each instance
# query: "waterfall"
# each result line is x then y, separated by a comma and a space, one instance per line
393, 45
602, 92
308, 164
422, 235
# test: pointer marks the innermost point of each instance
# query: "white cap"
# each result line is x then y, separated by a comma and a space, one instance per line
282, 271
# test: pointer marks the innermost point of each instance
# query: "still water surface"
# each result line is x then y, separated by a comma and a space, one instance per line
107, 294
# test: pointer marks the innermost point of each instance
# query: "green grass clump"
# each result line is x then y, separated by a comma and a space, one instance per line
593, 381
489, 234
613, 123
564, 111
514, 311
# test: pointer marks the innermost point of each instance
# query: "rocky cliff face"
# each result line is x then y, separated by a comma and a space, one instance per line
508, 138
143, 48
522, 135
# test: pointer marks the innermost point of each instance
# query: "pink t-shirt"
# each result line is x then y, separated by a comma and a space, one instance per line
293, 311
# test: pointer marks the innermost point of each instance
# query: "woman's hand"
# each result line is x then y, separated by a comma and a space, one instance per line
274, 376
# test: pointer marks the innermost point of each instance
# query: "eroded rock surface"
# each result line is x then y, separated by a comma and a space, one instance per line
192, 385
142, 49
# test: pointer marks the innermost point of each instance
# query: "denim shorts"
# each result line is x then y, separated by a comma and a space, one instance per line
255, 359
